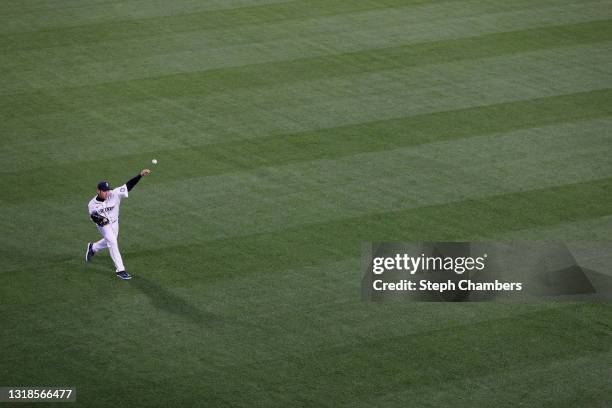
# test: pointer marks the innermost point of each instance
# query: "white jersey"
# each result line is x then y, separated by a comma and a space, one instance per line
109, 207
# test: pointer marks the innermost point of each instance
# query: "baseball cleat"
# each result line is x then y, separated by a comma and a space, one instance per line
89, 253
124, 275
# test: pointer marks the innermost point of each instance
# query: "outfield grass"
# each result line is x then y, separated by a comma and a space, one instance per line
288, 133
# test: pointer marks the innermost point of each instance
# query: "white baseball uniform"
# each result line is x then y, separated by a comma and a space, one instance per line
110, 209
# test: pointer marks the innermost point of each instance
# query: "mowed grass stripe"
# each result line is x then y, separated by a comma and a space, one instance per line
226, 305
210, 19
274, 198
425, 359
548, 382
80, 13
341, 239
212, 313
165, 54
330, 143
349, 366
271, 74
63, 16
597, 229
160, 124
219, 349
337, 240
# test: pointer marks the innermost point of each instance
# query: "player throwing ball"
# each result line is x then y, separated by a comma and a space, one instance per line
104, 212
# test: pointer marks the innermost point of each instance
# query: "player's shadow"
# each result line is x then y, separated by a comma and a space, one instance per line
171, 303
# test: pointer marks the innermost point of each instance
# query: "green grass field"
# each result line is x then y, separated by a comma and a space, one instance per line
288, 133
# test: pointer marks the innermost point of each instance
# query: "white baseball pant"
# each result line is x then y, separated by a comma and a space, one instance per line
110, 232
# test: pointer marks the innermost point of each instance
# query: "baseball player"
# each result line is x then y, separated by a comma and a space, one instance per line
104, 212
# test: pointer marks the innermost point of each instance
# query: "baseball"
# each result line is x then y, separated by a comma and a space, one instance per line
154, 161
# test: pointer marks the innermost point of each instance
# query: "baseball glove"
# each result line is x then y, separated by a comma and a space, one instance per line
99, 219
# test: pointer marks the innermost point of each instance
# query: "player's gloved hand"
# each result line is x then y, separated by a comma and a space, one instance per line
99, 219
145, 172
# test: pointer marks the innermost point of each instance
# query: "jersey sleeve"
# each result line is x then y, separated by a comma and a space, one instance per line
121, 191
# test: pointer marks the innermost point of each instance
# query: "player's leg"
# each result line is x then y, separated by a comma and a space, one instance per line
113, 247
109, 232
94, 247
99, 245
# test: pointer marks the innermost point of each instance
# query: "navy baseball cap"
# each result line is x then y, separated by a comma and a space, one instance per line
103, 186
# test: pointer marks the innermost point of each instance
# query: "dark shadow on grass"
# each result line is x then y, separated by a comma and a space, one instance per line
171, 303
160, 297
